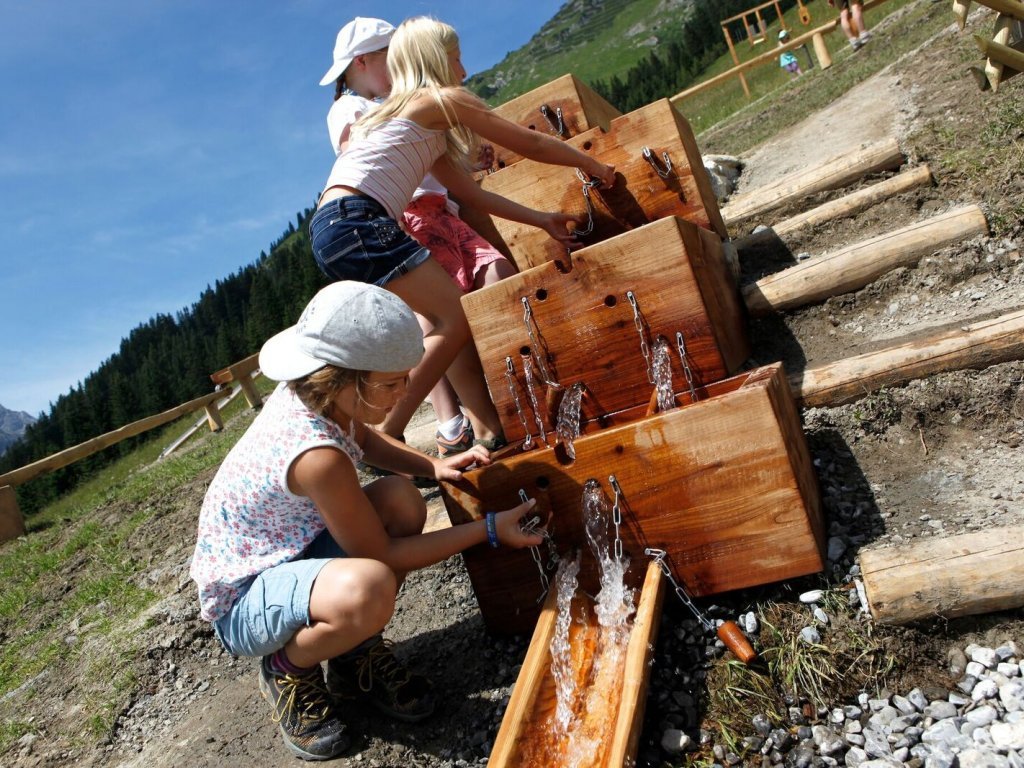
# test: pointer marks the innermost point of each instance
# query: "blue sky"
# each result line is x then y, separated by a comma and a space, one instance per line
149, 148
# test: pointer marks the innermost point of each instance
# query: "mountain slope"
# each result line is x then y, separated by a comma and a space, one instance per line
12, 426
590, 38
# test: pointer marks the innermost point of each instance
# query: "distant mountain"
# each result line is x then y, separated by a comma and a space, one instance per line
592, 39
12, 426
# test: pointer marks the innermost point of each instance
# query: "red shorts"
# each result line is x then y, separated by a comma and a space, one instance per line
450, 240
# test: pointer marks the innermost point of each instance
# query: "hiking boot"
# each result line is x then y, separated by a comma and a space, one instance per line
376, 675
460, 444
304, 713
857, 43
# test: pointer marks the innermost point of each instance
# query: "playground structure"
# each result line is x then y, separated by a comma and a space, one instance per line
1004, 52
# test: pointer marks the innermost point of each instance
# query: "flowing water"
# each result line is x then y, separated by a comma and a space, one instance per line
661, 370
567, 429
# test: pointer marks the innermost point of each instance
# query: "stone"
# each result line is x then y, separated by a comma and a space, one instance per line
875, 743
883, 717
761, 724
984, 656
900, 724
852, 712
1008, 735
855, 756
967, 683
810, 635
675, 742
1011, 696
918, 699
903, 704
983, 715
812, 596
940, 757
956, 661
985, 689
820, 616
975, 669
1008, 669
1008, 650
978, 758
829, 742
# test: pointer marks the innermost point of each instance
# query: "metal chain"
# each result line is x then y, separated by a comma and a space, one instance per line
528, 375
659, 557
681, 346
531, 527
510, 379
528, 321
557, 124
653, 160
588, 184
616, 516
639, 324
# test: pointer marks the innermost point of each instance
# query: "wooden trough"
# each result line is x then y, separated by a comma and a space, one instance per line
668, 179
724, 485
583, 322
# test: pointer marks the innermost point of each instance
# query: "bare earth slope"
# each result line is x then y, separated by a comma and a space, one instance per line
933, 458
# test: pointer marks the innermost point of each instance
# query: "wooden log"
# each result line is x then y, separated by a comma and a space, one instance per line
847, 205
645, 190
821, 51
993, 67
12, 524
960, 9
834, 173
580, 107
724, 485
857, 265
977, 345
213, 417
953, 576
584, 326
1013, 8
95, 444
1003, 54
527, 737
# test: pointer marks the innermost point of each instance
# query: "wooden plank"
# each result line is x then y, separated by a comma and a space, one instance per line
95, 444
12, 524
978, 345
585, 322
640, 194
712, 483
857, 265
836, 172
952, 576
847, 205
244, 366
581, 109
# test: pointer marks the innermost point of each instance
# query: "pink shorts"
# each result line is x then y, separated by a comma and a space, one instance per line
450, 240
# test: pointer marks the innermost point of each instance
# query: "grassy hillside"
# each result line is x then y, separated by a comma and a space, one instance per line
593, 39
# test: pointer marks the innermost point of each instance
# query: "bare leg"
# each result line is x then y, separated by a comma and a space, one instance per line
431, 293
844, 20
493, 272
858, 17
442, 397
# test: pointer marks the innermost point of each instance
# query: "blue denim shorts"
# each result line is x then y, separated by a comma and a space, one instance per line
353, 238
275, 604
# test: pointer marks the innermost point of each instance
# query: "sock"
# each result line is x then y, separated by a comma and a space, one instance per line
451, 428
279, 663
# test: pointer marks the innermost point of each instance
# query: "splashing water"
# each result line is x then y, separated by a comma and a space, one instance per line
561, 650
661, 368
568, 427
615, 603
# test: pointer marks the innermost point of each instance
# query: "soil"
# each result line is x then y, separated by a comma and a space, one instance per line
937, 457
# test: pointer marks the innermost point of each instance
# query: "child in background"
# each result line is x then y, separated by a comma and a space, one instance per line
360, 76
428, 123
788, 60
295, 562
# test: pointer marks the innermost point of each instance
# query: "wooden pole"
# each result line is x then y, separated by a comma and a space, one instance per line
821, 50
93, 445
1013, 8
832, 174
1004, 54
960, 9
12, 524
840, 207
977, 345
213, 417
951, 576
994, 68
857, 265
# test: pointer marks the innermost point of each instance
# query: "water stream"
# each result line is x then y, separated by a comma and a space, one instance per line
567, 429
661, 369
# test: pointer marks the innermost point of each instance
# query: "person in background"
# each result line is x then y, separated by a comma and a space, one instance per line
294, 561
359, 74
846, 9
427, 123
787, 59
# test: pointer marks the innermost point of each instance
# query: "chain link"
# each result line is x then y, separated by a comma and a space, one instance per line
616, 516
528, 374
535, 347
588, 184
659, 556
510, 379
531, 527
557, 123
683, 358
639, 324
650, 157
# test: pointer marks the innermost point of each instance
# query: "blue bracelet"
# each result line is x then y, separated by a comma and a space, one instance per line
492, 529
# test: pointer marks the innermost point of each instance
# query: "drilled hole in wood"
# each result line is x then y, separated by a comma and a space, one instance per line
610, 301
542, 294
588, 144
524, 351
542, 483
501, 163
532, 127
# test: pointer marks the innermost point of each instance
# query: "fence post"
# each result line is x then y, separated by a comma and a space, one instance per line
213, 417
821, 51
12, 524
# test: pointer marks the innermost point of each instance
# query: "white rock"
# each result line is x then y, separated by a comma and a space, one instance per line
985, 689
1012, 696
1008, 735
820, 616
983, 715
1008, 669
985, 656
940, 710
975, 668
812, 596
810, 636
979, 758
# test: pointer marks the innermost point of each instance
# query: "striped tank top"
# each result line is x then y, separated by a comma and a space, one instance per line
389, 163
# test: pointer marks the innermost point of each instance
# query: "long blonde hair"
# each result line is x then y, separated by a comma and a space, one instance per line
418, 61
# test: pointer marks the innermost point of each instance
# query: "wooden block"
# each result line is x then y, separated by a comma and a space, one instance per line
585, 322
564, 107
640, 194
12, 524
725, 486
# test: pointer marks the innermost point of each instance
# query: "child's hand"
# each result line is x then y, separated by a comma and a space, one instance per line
485, 160
451, 468
556, 225
509, 527
604, 173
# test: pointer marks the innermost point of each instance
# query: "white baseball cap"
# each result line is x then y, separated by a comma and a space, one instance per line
783, 35
359, 36
352, 325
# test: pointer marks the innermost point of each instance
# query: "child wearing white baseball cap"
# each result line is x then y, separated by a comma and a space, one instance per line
298, 564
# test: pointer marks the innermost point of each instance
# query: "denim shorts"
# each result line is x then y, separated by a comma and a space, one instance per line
353, 238
275, 604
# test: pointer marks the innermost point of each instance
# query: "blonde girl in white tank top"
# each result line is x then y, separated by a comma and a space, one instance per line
354, 233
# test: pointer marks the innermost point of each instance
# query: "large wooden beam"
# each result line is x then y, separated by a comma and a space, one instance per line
953, 576
847, 205
978, 345
1013, 8
12, 524
95, 444
834, 173
857, 265
1003, 55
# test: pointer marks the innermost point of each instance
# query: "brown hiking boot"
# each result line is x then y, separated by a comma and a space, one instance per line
304, 713
375, 674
